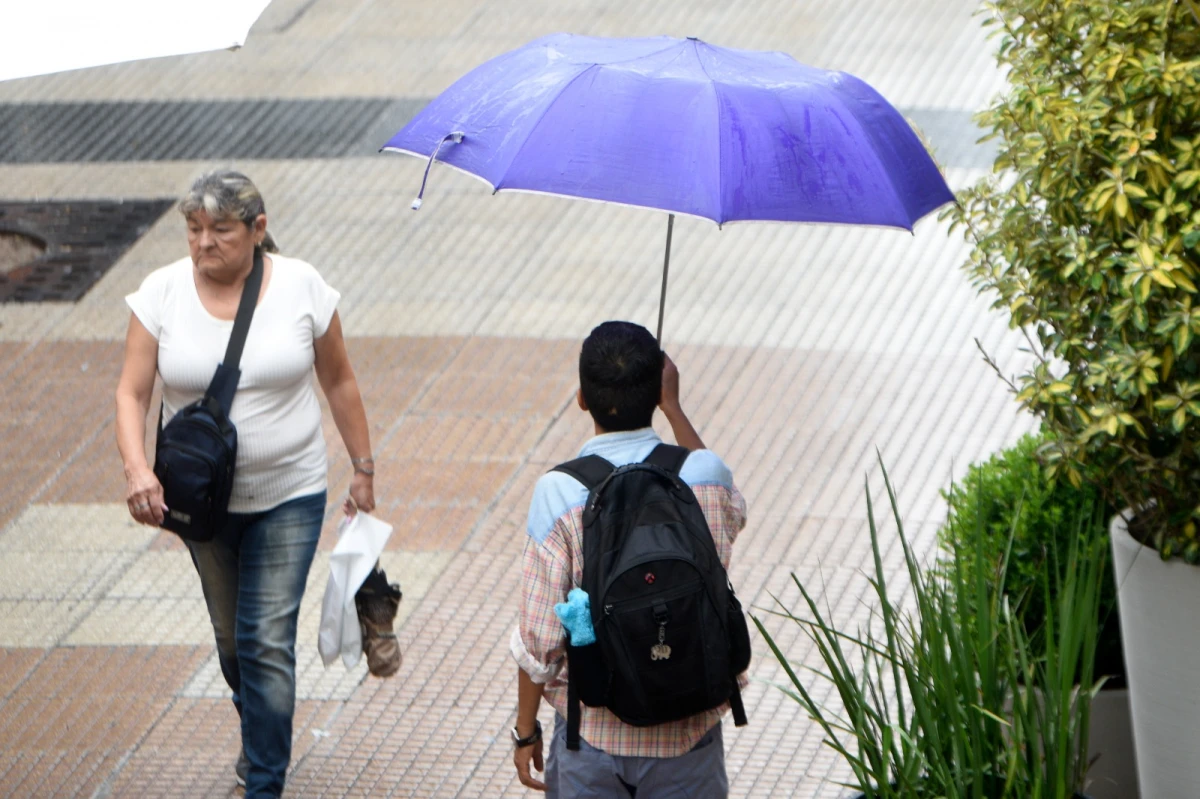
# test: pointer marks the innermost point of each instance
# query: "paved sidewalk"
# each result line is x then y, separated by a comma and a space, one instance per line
804, 351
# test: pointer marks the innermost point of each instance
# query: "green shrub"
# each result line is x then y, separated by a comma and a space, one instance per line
1088, 233
1008, 502
952, 699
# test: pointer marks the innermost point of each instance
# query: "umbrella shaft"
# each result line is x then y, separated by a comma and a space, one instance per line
662, 300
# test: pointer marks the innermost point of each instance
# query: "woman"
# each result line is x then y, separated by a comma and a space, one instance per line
253, 571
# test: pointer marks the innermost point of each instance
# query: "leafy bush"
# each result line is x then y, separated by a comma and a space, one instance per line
1007, 511
952, 700
1089, 233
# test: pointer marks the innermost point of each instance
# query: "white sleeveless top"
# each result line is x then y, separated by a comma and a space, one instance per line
281, 450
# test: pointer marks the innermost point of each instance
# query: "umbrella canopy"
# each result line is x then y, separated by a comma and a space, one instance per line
682, 126
44, 36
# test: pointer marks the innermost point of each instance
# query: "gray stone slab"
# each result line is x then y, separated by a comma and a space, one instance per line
291, 129
199, 130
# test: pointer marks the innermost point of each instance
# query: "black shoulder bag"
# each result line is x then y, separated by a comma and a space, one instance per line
196, 451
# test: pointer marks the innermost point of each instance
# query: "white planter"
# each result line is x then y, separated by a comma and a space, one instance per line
1113, 774
1159, 604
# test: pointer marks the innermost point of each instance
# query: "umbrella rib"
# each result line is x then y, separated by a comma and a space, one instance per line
497, 186
712, 82
541, 117
883, 166
593, 65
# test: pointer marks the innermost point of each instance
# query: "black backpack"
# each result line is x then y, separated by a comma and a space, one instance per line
196, 451
671, 638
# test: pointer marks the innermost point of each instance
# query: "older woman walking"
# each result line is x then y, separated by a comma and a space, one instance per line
254, 569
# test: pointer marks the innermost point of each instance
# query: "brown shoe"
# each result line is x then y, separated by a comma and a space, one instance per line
377, 602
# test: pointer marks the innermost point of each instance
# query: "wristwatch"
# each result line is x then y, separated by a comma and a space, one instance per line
533, 738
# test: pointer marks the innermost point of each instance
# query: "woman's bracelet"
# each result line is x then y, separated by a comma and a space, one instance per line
364, 465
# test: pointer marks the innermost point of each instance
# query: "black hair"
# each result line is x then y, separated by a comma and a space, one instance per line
620, 375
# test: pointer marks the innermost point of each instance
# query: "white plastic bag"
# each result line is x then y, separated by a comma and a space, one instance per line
361, 539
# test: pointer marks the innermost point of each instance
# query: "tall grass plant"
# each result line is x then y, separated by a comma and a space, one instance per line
949, 698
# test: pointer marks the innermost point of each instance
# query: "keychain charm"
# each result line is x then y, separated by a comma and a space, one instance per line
661, 651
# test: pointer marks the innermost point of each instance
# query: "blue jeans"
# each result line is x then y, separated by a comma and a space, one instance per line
253, 574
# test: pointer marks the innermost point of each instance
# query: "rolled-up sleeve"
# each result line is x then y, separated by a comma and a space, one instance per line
538, 644
733, 511
725, 509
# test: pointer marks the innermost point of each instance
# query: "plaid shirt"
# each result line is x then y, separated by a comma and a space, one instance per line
553, 565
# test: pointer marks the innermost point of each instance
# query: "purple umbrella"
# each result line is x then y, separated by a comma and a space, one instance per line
682, 126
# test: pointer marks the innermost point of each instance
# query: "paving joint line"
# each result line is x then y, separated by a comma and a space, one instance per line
22, 355
115, 576
445, 691
433, 671
824, 483
137, 745
902, 445
861, 398
57, 643
408, 413
340, 706
521, 465
104, 789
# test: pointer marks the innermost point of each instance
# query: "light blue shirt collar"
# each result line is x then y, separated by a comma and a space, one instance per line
556, 493
624, 447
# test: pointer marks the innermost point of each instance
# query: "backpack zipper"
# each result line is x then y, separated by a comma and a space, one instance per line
649, 557
645, 602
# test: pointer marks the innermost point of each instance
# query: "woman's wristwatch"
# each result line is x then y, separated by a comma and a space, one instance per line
533, 738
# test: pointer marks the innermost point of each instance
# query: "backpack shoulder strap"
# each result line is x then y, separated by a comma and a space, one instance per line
735, 703
668, 457
591, 470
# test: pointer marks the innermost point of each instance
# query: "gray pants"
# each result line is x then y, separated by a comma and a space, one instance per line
593, 774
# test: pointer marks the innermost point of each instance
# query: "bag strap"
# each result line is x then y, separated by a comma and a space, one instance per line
668, 457
225, 380
591, 470
735, 704
245, 312
671, 459
574, 711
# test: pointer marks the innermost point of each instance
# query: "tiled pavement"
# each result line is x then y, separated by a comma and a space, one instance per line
805, 351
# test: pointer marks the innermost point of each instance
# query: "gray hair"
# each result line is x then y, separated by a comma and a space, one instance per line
226, 194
